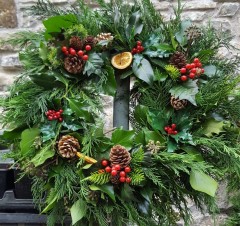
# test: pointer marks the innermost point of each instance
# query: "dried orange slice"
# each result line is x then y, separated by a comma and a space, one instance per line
122, 60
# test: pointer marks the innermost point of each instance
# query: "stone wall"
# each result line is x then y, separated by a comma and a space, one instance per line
224, 15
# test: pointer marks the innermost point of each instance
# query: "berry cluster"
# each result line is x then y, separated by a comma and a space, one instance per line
192, 70
117, 170
138, 48
54, 115
81, 53
171, 130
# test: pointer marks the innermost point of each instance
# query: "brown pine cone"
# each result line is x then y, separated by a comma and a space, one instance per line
119, 155
73, 64
68, 146
115, 179
76, 43
178, 104
90, 40
178, 60
193, 32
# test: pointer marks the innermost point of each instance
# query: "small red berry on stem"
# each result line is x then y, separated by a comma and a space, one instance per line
104, 162
127, 169
128, 180
166, 128
64, 48
60, 119
122, 174
196, 60
139, 43
80, 53
66, 53
188, 66
194, 70
183, 78
183, 70
122, 179
191, 76
72, 51
199, 65
173, 126
114, 172
88, 47
85, 57
108, 169
117, 167
202, 70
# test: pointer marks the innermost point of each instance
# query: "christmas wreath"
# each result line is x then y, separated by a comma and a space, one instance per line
184, 111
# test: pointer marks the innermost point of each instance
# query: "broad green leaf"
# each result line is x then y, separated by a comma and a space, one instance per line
193, 151
202, 182
61, 79
78, 210
80, 109
57, 23
143, 71
135, 25
87, 166
158, 120
50, 204
180, 36
110, 86
140, 114
123, 137
153, 135
210, 70
140, 138
27, 139
12, 134
43, 52
42, 156
108, 189
171, 145
212, 126
94, 64
186, 90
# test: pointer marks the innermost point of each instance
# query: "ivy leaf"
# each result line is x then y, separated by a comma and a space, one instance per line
210, 70
212, 126
42, 156
202, 182
180, 36
27, 139
135, 25
143, 71
123, 137
94, 64
48, 130
110, 86
187, 91
108, 189
78, 210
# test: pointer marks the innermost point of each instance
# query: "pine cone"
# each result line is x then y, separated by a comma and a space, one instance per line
178, 104
119, 156
76, 43
90, 40
104, 36
73, 64
115, 179
193, 32
178, 59
68, 146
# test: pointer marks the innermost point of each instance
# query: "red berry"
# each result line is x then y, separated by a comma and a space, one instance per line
139, 43
66, 53
188, 66
191, 76
122, 179
88, 47
139, 48
183, 70
117, 167
127, 169
193, 65
202, 70
138, 51
142, 48
122, 174
114, 172
184, 78
85, 57
64, 48
166, 128
60, 119
104, 162
175, 132
170, 131
199, 65
61, 110
55, 116
80, 53
196, 60
128, 180
108, 169
50, 118
72, 51
134, 50
173, 126
194, 70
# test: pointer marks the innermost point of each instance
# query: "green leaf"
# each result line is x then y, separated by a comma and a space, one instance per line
27, 139
43, 52
126, 74
110, 86
78, 211
187, 91
140, 114
57, 23
94, 64
123, 137
87, 166
61, 79
140, 138
50, 205
135, 25
143, 71
212, 126
193, 151
202, 182
158, 120
171, 145
72, 126
81, 109
180, 36
42, 156
210, 70
153, 135
48, 130
127, 193
108, 189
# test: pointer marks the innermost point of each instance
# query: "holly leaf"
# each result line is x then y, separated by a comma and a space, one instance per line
212, 126
108, 189
143, 70
110, 86
78, 210
187, 91
123, 137
171, 145
27, 139
135, 25
48, 131
42, 156
94, 64
202, 182
72, 126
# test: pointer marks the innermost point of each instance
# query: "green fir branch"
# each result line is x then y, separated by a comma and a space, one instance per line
137, 177
98, 178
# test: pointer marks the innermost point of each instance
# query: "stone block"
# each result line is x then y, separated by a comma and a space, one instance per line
222, 25
10, 62
197, 5
161, 5
8, 17
194, 16
228, 9
6, 79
